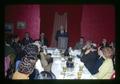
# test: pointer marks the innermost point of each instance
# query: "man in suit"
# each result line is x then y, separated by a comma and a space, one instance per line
90, 57
80, 44
43, 40
27, 39
61, 33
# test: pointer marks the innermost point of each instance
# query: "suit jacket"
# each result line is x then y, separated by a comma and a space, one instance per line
90, 60
18, 49
79, 45
45, 41
25, 41
98, 64
59, 34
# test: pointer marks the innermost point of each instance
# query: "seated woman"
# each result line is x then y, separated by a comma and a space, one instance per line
27, 64
106, 69
27, 39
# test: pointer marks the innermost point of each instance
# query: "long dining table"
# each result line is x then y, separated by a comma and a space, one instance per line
59, 62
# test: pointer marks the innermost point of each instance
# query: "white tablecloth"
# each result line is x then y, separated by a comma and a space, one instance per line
38, 66
57, 70
58, 64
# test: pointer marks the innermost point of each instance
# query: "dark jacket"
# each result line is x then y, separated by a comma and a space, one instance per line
103, 46
45, 41
90, 60
59, 34
18, 49
25, 41
98, 64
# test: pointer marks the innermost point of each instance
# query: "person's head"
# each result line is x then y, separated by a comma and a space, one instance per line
61, 27
37, 43
94, 46
16, 38
42, 35
48, 56
112, 44
104, 40
30, 50
27, 35
107, 52
88, 44
8, 38
81, 39
27, 64
29, 59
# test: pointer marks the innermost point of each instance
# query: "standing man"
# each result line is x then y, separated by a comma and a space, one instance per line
62, 38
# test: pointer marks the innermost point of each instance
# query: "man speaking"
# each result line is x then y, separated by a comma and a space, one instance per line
62, 38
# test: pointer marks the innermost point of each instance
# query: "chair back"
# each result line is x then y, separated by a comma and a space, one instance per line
46, 75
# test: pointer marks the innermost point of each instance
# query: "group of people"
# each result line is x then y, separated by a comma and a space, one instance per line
26, 59
99, 59
21, 56
34, 64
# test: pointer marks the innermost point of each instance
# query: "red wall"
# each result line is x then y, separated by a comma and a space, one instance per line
47, 19
98, 21
28, 13
94, 22
74, 18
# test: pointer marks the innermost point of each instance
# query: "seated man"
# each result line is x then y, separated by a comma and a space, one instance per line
90, 57
27, 39
43, 40
17, 47
80, 44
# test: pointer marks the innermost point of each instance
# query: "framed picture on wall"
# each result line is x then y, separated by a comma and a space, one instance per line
21, 25
8, 28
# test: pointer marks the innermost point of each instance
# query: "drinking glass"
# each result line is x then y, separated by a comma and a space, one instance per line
79, 74
64, 70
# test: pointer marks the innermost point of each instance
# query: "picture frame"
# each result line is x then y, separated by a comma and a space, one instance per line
21, 25
8, 27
